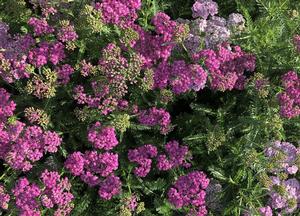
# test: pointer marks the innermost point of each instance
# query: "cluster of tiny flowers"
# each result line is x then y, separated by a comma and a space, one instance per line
143, 157
21, 146
40, 26
96, 169
189, 191
26, 197
37, 116
102, 137
13, 55
289, 99
55, 193
4, 198
227, 67
266, 211
208, 29
7, 106
117, 71
284, 192
120, 12
53, 52
63, 73
100, 98
67, 32
176, 156
157, 47
204, 8
284, 155
180, 76
156, 117
284, 195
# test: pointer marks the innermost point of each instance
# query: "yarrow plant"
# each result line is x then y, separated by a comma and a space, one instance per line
113, 107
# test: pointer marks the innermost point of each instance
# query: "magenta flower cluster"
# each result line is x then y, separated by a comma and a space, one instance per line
227, 67
290, 155
157, 47
40, 26
143, 157
13, 58
45, 53
289, 99
7, 106
67, 33
102, 137
53, 194
176, 156
180, 76
156, 117
120, 12
4, 198
189, 191
64, 72
97, 169
21, 145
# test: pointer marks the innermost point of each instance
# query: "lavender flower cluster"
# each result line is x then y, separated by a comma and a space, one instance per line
284, 192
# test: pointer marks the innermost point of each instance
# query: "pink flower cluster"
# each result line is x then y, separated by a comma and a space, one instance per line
176, 156
156, 117
40, 26
7, 106
96, 169
204, 8
180, 76
55, 193
189, 190
53, 52
143, 157
100, 98
289, 99
64, 72
67, 33
21, 146
226, 67
4, 198
102, 137
13, 54
120, 12
290, 154
157, 47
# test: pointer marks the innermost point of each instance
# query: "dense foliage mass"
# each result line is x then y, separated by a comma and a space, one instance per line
149, 107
